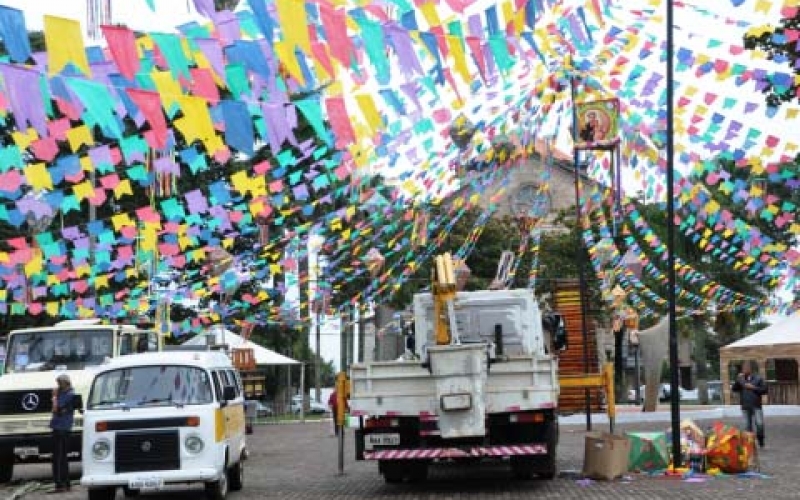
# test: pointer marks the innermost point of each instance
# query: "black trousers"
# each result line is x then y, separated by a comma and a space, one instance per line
60, 462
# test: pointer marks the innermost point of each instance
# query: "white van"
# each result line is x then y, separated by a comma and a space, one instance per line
164, 418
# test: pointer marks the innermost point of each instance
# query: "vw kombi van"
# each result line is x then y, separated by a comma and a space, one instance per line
158, 419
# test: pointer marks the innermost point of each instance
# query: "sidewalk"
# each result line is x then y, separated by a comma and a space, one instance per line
632, 414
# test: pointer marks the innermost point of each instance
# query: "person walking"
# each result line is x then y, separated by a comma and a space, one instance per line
333, 404
61, 422
751, 387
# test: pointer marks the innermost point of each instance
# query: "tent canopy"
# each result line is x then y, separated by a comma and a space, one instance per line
782, 333
263, 355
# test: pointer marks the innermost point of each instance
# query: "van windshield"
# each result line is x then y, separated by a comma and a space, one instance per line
140, 386
57, 349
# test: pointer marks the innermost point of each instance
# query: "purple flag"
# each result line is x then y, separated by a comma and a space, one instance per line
25, 98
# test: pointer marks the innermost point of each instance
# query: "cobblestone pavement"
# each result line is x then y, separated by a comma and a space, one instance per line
299, 461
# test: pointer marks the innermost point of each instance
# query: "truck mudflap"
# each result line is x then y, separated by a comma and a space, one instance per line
494, 451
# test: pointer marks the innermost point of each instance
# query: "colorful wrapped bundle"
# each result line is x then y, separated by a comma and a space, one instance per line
729, 448
649, 451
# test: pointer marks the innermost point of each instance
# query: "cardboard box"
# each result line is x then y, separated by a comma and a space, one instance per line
605, 455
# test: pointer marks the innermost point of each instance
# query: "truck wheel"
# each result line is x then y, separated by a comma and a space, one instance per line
392, 471
217, 490
418, 471
546, 466
522, 467
236, 475
6, 466
106, 493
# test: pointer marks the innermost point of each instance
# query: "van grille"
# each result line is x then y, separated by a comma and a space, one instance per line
26, 402
147, 451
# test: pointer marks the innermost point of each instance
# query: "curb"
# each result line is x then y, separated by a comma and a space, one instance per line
713, 413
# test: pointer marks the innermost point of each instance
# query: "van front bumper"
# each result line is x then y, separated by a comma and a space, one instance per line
202, 474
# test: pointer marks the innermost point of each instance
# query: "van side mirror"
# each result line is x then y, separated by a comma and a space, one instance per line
228, 393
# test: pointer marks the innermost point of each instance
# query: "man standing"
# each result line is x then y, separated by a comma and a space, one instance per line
751, 387
333, 404
61, 423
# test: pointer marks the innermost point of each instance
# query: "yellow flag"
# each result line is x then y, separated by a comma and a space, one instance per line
294, 25
64, 45
24, 139
168, 88
79, 136
123, 188
241, 182
370, 111
196, 122
38, 177
83, 190
459, 58
287, 57
121, 220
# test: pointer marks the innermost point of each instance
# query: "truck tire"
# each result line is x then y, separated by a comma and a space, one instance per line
418, 471
393, 471
104, 493
546, 466
522, 467
6, 466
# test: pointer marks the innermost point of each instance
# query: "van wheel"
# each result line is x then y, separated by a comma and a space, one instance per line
6, 466
236, 475
218, 490
107, 493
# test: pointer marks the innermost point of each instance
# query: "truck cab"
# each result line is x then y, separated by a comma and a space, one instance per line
34, 358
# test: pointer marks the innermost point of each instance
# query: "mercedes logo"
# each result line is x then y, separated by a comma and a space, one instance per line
30, 401
147, 446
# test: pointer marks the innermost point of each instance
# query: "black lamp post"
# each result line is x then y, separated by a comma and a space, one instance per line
633, 344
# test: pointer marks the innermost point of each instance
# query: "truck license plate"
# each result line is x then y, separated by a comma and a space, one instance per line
146, 483
373, 440
26, 451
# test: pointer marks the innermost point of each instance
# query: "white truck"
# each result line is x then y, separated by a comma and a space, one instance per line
34, 357
483, 384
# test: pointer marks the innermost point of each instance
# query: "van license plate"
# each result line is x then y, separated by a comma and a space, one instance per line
373, 440
146, 483
26, 451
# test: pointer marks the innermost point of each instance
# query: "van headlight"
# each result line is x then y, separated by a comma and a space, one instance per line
101, 449
193, 444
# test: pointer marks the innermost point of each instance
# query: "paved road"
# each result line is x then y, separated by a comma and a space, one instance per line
298, 461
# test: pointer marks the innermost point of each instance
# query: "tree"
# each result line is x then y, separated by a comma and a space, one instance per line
781, 48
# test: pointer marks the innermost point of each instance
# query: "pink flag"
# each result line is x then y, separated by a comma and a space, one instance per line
150, 104
122, 43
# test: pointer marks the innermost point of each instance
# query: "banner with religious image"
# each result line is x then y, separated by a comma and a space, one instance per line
598, 124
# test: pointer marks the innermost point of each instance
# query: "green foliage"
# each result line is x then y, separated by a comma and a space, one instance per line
780, 48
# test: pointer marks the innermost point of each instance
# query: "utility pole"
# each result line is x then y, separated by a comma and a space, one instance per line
318, 358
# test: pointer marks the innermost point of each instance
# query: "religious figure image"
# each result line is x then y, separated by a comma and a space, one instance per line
597, 124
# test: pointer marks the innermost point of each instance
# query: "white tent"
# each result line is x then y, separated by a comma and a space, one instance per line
781, 333
263, 355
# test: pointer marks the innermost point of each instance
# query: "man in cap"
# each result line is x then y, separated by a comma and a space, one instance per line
61, 422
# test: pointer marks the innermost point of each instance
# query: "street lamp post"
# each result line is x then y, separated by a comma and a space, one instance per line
579, 244
633, 343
